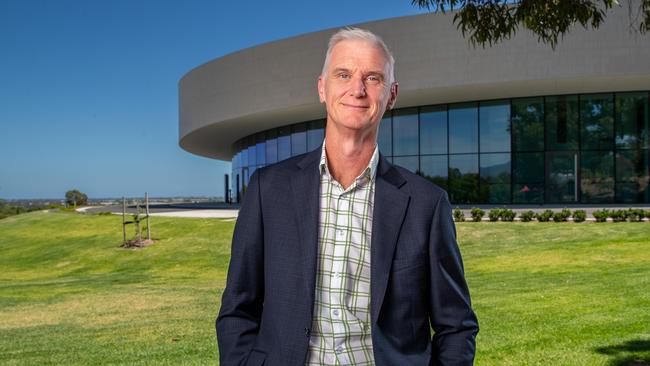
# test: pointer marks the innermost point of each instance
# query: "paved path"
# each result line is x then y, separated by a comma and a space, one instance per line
183, 210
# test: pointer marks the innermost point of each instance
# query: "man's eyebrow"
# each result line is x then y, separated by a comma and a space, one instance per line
376, 73
340, 69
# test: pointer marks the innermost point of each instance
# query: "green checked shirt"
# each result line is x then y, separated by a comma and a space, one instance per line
341, 321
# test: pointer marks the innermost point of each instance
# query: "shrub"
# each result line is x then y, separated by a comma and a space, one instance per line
477, 214
635, 214
527, 216
508, 214
601, 215
618, 215
562, 216
459, 216
494, 214
544, 216
579, 215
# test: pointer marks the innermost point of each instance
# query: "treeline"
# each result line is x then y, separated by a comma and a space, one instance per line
7, 210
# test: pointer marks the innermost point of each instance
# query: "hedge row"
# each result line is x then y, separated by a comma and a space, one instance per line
506, 214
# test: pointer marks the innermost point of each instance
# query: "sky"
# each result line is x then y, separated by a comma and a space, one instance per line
89, 88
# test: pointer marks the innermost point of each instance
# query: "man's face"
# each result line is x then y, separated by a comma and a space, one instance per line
355, 87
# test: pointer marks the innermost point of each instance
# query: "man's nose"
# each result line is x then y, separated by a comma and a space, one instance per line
358, 88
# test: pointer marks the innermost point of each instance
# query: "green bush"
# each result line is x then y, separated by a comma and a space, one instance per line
527, 216
459, 216
601, 215
9, 210
562, 216
635, 214
579, 215
477, 214
494, 214
508, 214
618, 215
544, 216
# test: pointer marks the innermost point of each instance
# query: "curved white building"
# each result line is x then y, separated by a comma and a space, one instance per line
514, 123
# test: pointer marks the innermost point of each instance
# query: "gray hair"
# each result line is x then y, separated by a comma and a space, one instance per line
361, 35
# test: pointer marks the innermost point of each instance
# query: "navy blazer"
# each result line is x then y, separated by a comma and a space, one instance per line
417, 279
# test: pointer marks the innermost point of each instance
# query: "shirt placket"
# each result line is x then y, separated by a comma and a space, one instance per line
338, 281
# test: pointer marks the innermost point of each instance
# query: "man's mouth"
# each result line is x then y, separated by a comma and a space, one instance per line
355, 106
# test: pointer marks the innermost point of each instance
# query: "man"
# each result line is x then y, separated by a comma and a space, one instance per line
339, 257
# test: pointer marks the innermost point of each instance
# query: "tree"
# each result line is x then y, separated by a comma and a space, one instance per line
75, 198
492, 21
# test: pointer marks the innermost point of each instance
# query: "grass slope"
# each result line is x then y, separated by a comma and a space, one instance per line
545, 293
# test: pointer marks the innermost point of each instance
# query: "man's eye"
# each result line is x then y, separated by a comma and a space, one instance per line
344, 76
373, 79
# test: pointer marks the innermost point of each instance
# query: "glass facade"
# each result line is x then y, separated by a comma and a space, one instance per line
587, 148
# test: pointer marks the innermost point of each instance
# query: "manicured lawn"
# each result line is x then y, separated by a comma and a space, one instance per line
545, 293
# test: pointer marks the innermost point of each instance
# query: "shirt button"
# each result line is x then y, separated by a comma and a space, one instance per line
335, 312
339, 349
339, 233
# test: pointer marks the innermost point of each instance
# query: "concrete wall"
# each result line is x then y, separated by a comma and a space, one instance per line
274, 84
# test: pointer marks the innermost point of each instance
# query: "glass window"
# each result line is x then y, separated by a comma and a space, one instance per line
528, 178
597, 116
495, 178
433, 130
561, 177
495, 126
463, 128
384, 138
463, 179
260, 148
284, 143
244, 158
235, 162
597, 176
244, 183
238, 185
315, 134
252, 151
405, 132
435, 169
408, 162
528, 124
495, 168
632, 129
298, 139
633, 176
561, 116
271, 146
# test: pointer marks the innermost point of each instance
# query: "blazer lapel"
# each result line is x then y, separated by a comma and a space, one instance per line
388, 214
305, 188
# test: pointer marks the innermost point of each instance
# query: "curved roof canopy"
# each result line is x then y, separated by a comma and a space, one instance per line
274, 84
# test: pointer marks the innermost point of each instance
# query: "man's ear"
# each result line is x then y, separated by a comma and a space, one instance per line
394, 87
321, 89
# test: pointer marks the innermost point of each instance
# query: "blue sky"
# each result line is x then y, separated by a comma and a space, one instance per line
88, 88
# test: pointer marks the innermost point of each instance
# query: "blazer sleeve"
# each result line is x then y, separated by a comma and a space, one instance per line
241, 305
452, 318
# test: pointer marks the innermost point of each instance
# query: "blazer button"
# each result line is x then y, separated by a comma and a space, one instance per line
307, 332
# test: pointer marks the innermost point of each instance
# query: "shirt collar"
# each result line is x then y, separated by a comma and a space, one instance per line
370, 171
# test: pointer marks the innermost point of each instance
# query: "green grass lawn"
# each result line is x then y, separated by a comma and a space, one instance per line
545, 293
